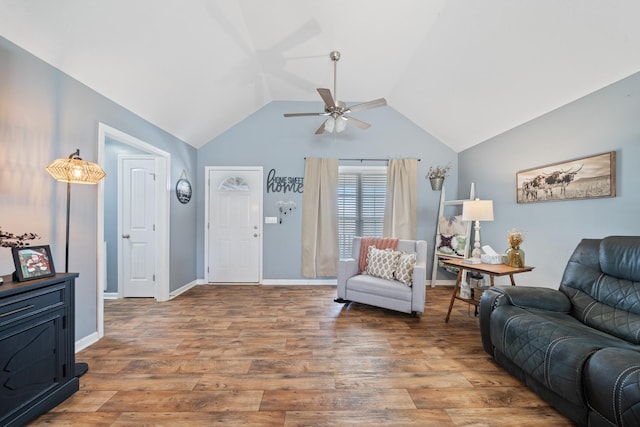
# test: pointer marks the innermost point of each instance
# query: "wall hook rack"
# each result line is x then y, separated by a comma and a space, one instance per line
285, 208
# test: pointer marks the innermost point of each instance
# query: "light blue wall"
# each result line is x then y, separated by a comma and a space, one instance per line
607, 120
44, 115
269, 140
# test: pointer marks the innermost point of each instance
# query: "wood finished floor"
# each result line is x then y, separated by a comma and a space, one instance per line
290, 356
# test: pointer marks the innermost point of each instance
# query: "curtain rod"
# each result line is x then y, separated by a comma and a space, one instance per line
367, 160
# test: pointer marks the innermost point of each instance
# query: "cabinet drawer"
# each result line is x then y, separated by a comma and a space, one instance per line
21, 306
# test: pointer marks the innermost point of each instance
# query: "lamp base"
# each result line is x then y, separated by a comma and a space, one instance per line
81, 368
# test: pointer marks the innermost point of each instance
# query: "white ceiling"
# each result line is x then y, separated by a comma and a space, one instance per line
463, 70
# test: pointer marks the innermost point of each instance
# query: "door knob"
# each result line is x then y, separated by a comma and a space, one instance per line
255, 234
125, 236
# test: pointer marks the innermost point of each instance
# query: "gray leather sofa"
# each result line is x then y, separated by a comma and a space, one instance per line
578, 347
384, 293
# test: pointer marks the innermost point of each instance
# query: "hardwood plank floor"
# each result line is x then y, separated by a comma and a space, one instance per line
291, 356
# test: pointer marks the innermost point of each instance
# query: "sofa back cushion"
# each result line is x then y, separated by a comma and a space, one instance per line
602, 280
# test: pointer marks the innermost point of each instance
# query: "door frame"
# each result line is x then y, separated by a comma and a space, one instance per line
207, 171
162, 217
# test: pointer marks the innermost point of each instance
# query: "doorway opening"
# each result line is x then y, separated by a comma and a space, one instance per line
162, 167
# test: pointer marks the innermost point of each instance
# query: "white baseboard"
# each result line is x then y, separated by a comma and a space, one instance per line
183, 289
110, 295
443, 283
298, 282
85, 342
283, 282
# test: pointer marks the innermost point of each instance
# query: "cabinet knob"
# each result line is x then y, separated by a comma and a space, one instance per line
125, 236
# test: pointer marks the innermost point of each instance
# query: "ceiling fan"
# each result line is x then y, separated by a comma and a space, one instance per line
336, 111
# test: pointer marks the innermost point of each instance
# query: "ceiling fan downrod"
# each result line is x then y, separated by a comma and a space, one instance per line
335, 57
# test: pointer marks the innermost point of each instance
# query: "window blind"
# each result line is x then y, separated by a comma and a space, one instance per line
361, 199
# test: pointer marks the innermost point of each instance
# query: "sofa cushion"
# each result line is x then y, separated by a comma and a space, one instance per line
366, 284
404, 270
619, 257
601, 280
550, 347
382, 262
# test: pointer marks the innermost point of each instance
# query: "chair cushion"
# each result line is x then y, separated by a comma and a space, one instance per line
404, 270
366, 284
378, 242
382, 262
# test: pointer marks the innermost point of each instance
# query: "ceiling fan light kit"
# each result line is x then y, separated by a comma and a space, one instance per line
336, 111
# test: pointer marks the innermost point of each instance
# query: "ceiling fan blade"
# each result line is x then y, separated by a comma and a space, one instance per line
321, 128
366, 105
304, 114
327, 98
358, 123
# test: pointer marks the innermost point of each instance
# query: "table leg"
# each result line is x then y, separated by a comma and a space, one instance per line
491, 277
513, 282
453, 295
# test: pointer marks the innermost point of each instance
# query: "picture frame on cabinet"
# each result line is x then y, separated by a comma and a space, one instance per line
32, 262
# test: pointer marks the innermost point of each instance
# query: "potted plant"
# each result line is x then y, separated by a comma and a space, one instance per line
437, 174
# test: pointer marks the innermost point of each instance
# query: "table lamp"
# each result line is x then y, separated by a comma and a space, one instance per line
477, 210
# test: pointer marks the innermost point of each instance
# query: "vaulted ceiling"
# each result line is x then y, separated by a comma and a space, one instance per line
463, 70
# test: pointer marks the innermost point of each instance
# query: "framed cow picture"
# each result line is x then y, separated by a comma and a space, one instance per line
583, 178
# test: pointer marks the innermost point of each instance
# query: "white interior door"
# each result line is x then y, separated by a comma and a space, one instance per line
234, 224
137, 229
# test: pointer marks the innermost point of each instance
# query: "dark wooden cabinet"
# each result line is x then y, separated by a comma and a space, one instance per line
37, 339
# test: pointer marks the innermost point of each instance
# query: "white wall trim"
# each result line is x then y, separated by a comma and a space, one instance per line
85, 342
443, 283
183, 289
298, 282
279, 282
111, 295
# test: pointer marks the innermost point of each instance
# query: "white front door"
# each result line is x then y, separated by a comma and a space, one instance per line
137, 228
234, 225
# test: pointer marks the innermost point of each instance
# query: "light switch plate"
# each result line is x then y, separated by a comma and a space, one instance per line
270, 219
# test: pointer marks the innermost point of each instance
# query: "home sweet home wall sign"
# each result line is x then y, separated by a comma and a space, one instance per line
284, 184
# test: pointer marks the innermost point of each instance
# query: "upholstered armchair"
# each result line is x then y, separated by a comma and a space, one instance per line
402, 289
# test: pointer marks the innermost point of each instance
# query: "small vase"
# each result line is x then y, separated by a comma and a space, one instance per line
436, 183
515, 257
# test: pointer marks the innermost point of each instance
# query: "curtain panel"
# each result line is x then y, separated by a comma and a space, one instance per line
320, 251
401, 205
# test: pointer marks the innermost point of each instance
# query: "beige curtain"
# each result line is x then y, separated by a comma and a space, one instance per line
401, 205
320, 251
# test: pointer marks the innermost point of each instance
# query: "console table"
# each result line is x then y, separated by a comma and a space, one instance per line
492, 270
37, 340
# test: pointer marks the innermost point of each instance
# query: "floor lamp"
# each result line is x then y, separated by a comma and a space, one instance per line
477, 210
74, 170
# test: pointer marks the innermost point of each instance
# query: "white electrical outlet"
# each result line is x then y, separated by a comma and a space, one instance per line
270, 219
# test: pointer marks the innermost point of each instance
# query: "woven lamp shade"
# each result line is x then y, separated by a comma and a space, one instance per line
76, 171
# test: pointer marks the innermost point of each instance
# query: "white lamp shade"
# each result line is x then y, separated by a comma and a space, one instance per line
477, 210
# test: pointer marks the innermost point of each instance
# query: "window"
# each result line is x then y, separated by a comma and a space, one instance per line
361, 196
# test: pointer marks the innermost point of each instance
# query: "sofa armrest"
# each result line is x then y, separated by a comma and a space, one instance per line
489, 300
612, 385
527, 297
536, 298
347, 268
